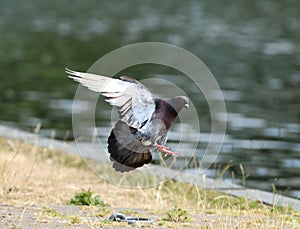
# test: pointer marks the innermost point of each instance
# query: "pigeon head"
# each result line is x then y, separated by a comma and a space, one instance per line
179, 102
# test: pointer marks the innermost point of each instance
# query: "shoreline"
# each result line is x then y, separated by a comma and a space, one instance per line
183, 176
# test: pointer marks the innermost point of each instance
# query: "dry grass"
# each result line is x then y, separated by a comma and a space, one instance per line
31, 175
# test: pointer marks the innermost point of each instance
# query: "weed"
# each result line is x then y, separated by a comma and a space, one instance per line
75, 220
176, 215
225, 169
85, 198
53, 213
282, 209
237, 203
15, 227
129, 212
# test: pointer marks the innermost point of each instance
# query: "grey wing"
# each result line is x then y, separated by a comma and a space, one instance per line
134, 101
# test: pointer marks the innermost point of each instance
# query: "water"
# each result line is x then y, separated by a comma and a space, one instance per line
252, 49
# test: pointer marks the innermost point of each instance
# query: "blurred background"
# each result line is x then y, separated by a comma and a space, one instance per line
251, 47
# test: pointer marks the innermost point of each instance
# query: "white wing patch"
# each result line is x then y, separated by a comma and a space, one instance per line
134, 101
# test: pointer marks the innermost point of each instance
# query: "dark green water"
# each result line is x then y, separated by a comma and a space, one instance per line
252, 48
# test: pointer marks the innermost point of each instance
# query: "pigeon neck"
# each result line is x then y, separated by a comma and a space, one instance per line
165, 112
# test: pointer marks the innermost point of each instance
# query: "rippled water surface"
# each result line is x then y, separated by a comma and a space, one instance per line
252, 48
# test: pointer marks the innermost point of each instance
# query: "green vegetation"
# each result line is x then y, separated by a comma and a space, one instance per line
85, 198
177, 215
53, 213
130, 212
15, 227
75, 220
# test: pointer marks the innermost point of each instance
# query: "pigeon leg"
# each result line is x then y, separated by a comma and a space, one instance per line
166, 150
161, 147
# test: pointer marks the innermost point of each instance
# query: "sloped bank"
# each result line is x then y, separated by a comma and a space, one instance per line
204, 182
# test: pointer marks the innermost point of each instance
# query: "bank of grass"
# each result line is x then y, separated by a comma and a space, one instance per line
32, 175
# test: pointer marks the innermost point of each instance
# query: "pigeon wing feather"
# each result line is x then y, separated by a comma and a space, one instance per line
134, 101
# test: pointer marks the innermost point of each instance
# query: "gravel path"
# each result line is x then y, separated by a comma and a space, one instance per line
89, 217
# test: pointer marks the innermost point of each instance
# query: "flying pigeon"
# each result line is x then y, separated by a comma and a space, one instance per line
144, 120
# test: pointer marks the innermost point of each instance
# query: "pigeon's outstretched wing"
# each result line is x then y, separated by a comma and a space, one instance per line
134, 101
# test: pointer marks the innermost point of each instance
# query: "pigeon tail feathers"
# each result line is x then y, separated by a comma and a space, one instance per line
126, 151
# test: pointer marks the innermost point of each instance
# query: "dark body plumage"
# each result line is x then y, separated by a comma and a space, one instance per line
144, 120
126, 150
128, 147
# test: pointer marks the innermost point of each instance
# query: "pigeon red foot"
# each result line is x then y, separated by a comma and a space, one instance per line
166, 150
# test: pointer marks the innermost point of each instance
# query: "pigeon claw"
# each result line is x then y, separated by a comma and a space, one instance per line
161, 147
166, 150
169, 152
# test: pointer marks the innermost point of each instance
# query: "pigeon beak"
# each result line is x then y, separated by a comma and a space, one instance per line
187, 106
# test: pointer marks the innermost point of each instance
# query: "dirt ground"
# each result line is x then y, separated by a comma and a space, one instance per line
37, 184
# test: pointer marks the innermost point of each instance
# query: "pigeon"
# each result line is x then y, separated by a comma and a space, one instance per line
144, 119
